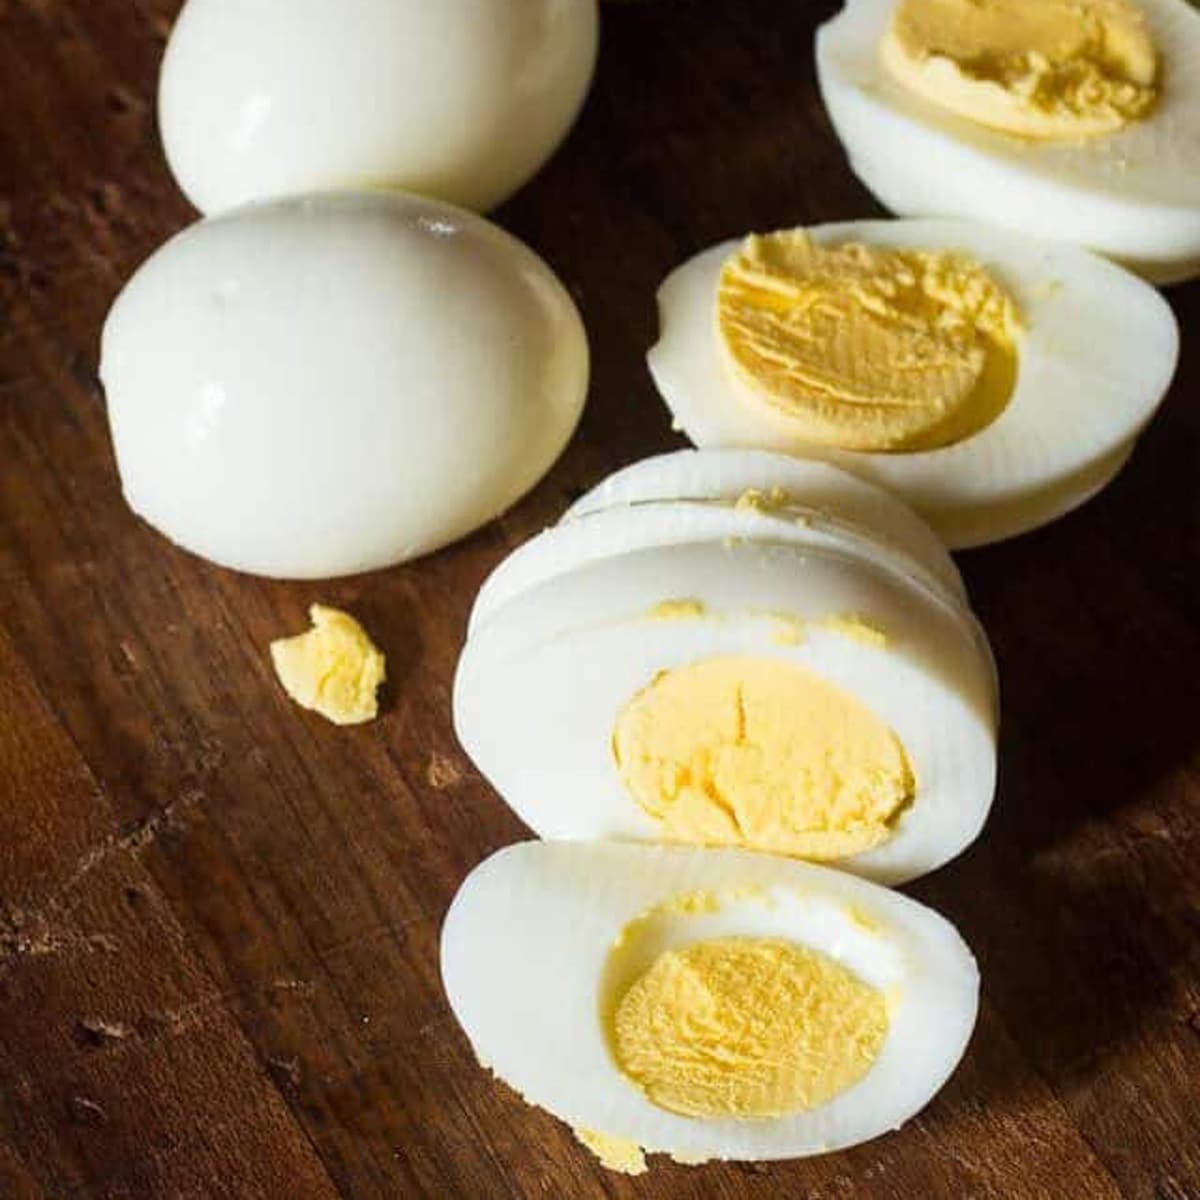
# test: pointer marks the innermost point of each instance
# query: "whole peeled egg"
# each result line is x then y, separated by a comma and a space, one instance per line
459, 99
324, 385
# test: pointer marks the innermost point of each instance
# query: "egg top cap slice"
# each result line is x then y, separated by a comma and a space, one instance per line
713, 495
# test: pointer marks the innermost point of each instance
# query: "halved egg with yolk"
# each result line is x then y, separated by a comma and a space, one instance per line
705, 1004
991, 381
1075, 120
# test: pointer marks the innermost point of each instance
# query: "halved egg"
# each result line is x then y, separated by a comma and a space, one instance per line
992, 381
1076, 120
462, 100
705, 1004
777, 670
324, 385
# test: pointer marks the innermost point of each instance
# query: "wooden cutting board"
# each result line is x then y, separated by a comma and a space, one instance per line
219, 915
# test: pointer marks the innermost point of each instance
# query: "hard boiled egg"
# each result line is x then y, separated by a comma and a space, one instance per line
459, 99
1064, 119
992, 381
705, 1004
793, 669
324, 385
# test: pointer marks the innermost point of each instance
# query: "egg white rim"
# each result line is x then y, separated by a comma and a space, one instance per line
725, 475
607, 533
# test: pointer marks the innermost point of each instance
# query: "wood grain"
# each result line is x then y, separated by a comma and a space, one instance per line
219, 916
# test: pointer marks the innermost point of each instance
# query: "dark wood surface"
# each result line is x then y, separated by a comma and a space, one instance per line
219, 915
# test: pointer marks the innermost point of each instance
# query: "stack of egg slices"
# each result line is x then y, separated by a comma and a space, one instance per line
727, 666
739, 689
740, 650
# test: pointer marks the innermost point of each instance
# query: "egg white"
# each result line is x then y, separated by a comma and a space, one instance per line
458, 99
813, 490
1134, 195
525, 958
615, 531
1097, 354
542, 679
324, 385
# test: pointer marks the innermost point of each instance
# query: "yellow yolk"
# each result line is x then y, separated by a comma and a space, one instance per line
761, 753
615, 1153
752, 500
333, 669
1045, 69
677, 610
747, 1027
864, 347
857, 629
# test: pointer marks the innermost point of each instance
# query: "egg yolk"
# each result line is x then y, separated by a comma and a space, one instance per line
761, 753
747, 1027
866, 347
333, 669
1042, 69
616, 1153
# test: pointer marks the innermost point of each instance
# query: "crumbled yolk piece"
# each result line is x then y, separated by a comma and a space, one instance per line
752, 500
677, 610
747, 1027
615, 1153
866, 347
333, 669
857, 629
1043, 69
761, 753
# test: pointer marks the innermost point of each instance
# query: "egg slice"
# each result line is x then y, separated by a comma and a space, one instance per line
769, 483
1092, 351
459, 99
968, 114
325, 385
705, 1004
750, 672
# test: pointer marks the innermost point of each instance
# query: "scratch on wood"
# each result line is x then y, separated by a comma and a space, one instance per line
191, 1016
294, 985
86, 1112
93, 1031
43, 932
286, 1069
25, 936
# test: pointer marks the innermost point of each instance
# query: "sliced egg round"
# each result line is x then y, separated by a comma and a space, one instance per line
325, 385
705, 1004
462, 100
740, 672
999, 134
1094, 352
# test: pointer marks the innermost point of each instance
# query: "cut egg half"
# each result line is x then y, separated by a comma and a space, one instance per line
332, 384
462, 100
724, 671
922, 140
705, 1004
1093, 353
